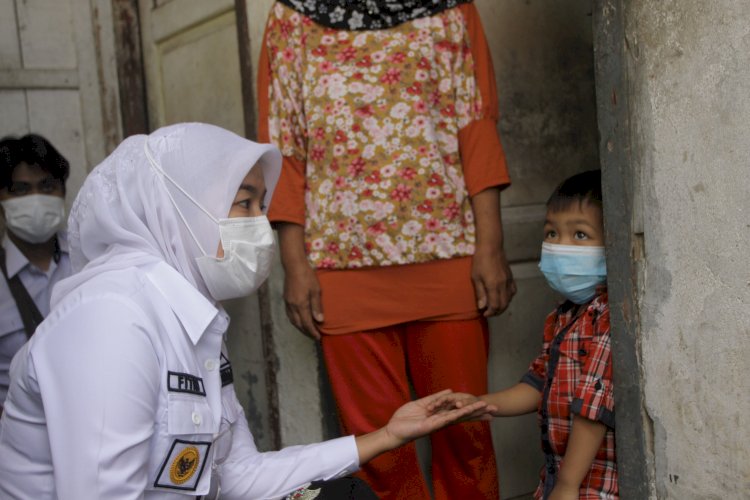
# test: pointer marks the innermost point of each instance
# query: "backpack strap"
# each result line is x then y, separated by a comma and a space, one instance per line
30, 314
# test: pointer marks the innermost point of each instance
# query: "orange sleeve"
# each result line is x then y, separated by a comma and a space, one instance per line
288, 202
482, 153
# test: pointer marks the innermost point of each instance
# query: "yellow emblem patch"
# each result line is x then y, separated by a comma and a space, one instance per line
184, 465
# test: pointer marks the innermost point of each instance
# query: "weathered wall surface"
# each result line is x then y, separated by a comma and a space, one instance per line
688, 67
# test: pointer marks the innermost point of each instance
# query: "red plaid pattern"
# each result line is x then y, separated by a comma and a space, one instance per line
577, 347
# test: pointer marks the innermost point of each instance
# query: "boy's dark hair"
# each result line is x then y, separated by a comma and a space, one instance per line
31, 149
585, 187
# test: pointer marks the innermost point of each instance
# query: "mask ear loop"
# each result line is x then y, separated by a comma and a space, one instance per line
156, 167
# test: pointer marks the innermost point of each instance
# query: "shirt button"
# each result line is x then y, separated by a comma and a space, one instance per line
196, 418
210, 364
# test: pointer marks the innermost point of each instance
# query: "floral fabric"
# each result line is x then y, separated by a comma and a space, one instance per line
368, 14
375, 116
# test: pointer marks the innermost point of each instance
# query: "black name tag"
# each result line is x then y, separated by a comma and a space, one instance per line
184, 382
227, 377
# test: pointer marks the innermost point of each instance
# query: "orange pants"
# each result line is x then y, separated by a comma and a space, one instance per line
370, 373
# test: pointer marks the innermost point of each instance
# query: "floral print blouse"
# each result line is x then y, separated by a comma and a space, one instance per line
375, 115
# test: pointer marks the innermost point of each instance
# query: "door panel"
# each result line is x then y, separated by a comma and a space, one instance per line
192, 69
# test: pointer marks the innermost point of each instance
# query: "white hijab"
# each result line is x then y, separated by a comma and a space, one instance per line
123, 216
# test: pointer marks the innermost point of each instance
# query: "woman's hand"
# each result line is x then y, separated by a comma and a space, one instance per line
302, 295
303, 299
462, 400
423, 416
414, 420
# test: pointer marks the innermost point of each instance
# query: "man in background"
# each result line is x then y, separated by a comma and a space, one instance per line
34, 252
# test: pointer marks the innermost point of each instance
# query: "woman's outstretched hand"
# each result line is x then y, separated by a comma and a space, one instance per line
419, 418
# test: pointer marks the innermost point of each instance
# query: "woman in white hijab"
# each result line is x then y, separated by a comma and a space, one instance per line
125, 390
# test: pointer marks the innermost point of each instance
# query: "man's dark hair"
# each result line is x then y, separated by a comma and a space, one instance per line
31, 149
585, 187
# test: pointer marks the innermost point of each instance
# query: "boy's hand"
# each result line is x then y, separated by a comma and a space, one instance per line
460, 400
418, 418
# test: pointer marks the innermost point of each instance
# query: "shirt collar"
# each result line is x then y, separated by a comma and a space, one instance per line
16, 261
193, 310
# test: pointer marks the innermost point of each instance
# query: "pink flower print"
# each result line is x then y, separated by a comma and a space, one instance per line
288, 54
411, 228
340, 182
425, 207
364, 111
446, 46
338, 150
333, 247
356, 167
318, 244
433, 193
408, 173
448, 111
327, 40
376, 229
401, 193
391, 76
365, 62
378, 57
435, 180
398, 58
424, 64
340, 136
327, 66
420, 107
346, 55
317, 153
414, 89
320, 51
452, 211
355, 253
373, 178
433, 225
319, 133
327, 263
367, 193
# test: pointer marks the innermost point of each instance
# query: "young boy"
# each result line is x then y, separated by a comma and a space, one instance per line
570, 382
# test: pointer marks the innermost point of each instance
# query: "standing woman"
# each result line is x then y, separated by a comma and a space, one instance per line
388, 211
125, 390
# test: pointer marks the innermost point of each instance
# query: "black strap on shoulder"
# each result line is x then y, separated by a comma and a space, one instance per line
30, 314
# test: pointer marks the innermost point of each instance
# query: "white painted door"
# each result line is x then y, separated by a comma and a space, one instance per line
56, 79
192, 70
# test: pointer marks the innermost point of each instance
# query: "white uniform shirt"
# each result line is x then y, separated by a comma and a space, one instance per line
154, 411
39, 284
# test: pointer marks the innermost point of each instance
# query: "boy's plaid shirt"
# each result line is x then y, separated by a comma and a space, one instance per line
574, 374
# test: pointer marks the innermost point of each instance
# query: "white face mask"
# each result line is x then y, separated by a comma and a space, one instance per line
248, 245
34, 218
248, 254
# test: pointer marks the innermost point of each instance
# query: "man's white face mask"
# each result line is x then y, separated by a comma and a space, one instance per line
34, 218
248, 245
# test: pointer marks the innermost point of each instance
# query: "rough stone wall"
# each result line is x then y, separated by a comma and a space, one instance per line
688, 64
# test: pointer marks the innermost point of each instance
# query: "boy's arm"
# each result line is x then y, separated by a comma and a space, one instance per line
517, 400
585, 440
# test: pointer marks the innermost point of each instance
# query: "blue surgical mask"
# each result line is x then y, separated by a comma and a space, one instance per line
574, 271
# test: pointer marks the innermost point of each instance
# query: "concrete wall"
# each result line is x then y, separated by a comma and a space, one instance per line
687, 75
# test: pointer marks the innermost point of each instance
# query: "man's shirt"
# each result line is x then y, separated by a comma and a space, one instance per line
39, 284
